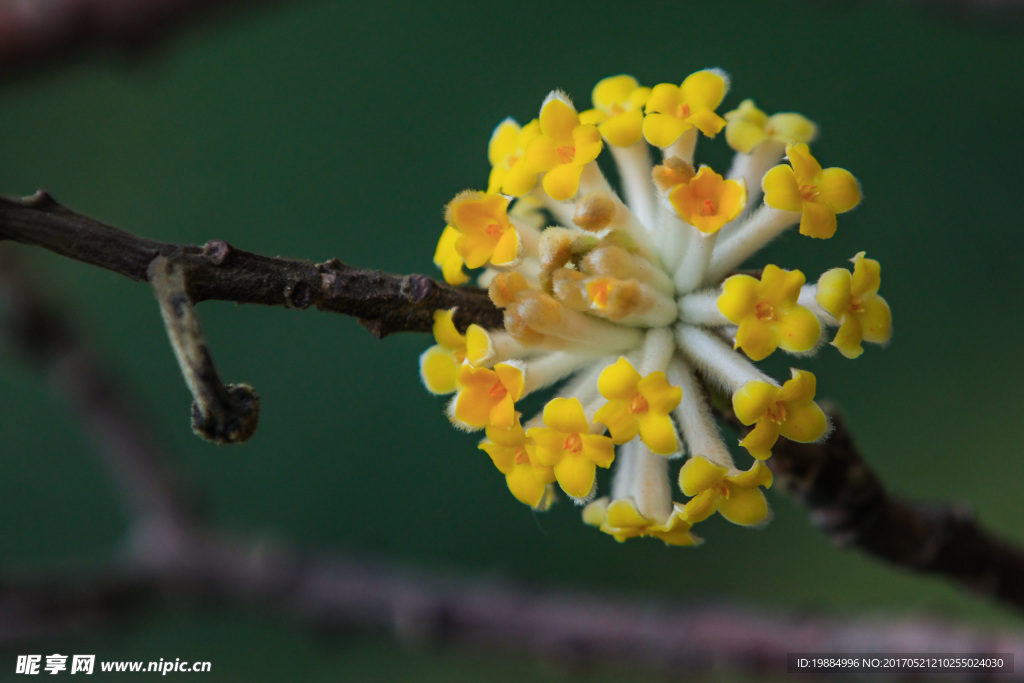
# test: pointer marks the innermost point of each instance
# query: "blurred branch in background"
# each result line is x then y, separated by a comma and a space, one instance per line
42, 30
33, 31
172, 554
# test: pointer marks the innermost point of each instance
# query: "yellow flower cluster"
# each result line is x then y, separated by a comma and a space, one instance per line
627, 308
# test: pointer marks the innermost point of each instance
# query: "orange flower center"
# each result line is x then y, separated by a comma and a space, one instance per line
777, 413
809, 192
566, 153
521, 458
683, 111
573, 443
707, 208
494, 230
616, 109
856, 304
639, 404
497, 390
764, 311
722, 489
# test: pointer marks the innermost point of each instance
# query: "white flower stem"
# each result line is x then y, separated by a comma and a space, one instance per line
547, 316
713, 358
808, 299
657, 351
684, 146
553, 367
634, 164
701, 308
673, 237
562, 211
649, 484
695, 420
625, 458
694, 265
761, 228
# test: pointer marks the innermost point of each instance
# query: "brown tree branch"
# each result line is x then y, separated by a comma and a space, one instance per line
850, 504
383, 303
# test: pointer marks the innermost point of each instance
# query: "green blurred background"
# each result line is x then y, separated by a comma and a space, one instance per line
327, 129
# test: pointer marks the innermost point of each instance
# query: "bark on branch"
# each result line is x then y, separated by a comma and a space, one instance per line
382, 302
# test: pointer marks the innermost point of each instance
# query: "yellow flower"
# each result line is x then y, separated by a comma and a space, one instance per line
707, 201
563, 148
768, 314
672, 110
510, 174
805, 187
618, 109
487, 397
853, 300
440, 363
512, 453
567, 445
448, 259
621, 519
485, 233
736, 497
789, 411
638, 405
749, 126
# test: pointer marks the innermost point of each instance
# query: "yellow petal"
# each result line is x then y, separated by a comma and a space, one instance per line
623, 129
757, 475
849, 337
801, 387
699, 474
751, 401
704, 89
757, 339
739, 296
575, 474
445, 332
876, 319
478, 344
700, 507
867, 275
558, 119
618, 381
525, 486
781, 287
563, 181
839, 189
743, 135
805, 423
622, 513
792, 128
512, 378
658, 433
662, 397
761, 438
798, 329
507, 249
744, 506
817, 221
613, 90
707, 122
437, 369
588, 144
665, 97
600, 450
595, 512
503, 457
661, 130
834, 291
621, 423
504, 141
520, 179
805, 166
547, 445
781, 190
503, 413
566, 415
